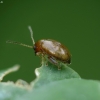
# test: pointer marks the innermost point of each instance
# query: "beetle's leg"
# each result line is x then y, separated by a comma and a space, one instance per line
44, 60
54, 61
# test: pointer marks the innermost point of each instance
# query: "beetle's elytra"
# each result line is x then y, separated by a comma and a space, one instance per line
53, 50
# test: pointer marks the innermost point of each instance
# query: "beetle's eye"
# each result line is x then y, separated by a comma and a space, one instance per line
34, 47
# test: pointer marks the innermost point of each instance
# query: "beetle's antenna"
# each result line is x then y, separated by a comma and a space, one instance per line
14, 42
30, 29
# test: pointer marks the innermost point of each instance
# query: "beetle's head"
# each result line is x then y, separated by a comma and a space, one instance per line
37, 48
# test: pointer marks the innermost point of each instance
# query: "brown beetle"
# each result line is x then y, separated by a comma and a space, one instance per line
53, 50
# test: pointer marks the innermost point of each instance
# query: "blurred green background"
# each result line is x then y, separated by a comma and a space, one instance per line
75, 23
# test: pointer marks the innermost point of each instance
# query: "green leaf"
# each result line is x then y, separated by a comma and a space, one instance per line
7, 71
51, 84
10, 91
68, 89
46, 74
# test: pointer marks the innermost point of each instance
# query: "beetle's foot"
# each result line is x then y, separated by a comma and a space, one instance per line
59, 68
46, 64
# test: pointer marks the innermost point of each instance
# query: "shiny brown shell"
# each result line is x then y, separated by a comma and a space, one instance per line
53, 49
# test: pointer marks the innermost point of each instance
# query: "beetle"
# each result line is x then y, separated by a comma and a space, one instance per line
50, 49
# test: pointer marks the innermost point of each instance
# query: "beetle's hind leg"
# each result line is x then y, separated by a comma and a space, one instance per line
54, 61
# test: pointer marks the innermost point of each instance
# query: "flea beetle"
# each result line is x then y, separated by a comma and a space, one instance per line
52, 50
